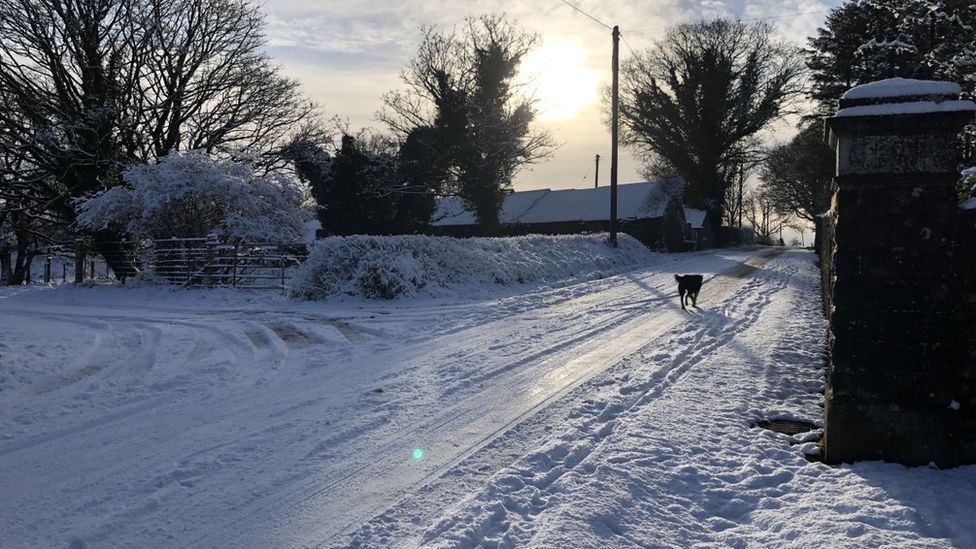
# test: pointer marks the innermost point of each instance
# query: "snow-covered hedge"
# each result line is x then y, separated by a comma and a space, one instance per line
378, 267
189, 194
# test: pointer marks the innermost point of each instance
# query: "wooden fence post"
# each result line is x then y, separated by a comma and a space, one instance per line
79, 261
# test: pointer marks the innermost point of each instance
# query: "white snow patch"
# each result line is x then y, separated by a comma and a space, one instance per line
634, 201
378, 267
902, 87
918, 107
695, 218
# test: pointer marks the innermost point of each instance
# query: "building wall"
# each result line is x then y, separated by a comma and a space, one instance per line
660, 233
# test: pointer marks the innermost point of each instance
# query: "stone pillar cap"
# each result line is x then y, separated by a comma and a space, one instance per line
916, 107
902, 88
903, 96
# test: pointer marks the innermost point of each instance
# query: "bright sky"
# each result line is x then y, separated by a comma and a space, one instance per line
348, 53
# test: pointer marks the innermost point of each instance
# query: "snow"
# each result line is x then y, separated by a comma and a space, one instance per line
916, 107
388, 267
594, 413
189, 194
451, 209
309, 230
969, 204
695, 218
902, 87
634, 201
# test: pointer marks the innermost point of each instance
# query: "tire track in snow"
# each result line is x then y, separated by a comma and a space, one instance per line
656, 325
468, 424
278, 439
504, 510
721, 289
102, 359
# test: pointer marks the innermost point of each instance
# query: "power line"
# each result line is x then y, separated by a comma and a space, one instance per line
750, 20
626, 43
577, 8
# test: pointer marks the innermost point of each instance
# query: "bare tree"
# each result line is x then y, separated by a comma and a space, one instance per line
762, 215
91, 86
204, 82
797, 177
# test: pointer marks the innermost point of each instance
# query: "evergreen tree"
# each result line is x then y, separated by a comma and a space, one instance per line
350, 192
461, 86
421, 172
868, 40
364, 189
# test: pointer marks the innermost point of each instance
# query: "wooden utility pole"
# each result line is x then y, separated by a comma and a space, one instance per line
613, 138
596, 179
742, 177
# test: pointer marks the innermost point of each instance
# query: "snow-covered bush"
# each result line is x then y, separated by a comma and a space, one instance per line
189, 194
387, 267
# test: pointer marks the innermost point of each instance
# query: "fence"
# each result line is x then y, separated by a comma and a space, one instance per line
203, 262
182, 261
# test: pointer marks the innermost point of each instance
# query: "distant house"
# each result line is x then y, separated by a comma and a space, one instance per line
698, 232
648, 211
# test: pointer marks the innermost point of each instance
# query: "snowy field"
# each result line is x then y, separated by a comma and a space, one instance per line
591, 414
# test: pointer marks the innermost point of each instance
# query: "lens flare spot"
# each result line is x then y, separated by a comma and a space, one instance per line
418, 453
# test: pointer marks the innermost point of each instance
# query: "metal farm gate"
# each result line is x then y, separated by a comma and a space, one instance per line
182, 261
203, 262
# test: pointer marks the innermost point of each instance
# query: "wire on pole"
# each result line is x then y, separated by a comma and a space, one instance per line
577, 8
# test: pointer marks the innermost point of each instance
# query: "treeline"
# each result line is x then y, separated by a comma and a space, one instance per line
126, 119
108, 103
700, 103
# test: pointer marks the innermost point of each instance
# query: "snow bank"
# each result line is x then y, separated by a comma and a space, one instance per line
395, 266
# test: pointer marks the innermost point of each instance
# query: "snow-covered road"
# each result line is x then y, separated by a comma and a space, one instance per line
155, 418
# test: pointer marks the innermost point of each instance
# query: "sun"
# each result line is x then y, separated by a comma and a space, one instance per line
556, 76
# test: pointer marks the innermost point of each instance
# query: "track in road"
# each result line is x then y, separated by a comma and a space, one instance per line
308, 459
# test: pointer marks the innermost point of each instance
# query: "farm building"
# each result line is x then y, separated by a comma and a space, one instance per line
648, 211
698, 233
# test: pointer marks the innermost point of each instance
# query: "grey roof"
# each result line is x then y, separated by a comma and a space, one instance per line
646, 200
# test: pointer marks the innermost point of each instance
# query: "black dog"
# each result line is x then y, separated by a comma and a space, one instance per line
689, 286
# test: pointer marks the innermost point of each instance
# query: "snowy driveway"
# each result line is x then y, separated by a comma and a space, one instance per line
155, 418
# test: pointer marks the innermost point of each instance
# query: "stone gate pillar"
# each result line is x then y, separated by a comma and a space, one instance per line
894, 349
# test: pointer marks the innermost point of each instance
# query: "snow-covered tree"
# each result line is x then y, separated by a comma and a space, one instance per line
188, 195
90, 87
867, 40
